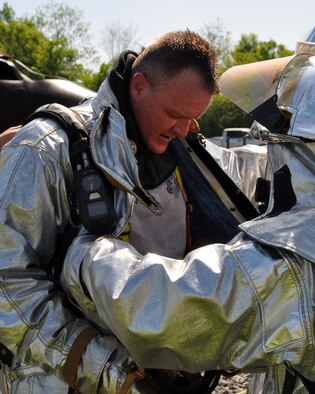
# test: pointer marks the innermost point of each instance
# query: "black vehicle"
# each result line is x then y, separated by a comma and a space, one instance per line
22, 91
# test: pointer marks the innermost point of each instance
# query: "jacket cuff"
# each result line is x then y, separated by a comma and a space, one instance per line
75, 355
94, 358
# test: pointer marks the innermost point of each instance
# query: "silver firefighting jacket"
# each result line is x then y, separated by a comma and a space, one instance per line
36, 324
245, 305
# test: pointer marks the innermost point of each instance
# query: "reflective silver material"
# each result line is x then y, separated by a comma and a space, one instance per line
121, 164
36, 178
261, 133
289, 226
223, 306
293, 230
245, 305
289, 79
250, 85
241, 305
305, 47
5, 384
311, 36
243, 165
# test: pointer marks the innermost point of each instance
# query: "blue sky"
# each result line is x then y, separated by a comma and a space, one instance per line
283, 21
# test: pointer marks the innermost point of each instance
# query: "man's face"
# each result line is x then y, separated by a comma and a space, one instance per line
165, 111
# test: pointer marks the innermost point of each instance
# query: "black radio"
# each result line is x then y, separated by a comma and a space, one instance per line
94, 194
92, 201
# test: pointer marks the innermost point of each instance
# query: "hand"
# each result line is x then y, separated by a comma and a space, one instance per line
8, 134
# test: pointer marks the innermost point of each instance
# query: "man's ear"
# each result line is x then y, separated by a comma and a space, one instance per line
138, 86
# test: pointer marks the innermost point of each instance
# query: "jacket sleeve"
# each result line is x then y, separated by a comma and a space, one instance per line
36, 325
222, 307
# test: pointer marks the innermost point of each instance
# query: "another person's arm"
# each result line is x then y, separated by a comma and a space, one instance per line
8, 134
222, 307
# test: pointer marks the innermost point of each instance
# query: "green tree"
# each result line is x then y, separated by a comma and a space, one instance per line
7, 13
69, 39
20, 38
249, 49
94, 80
222, 113
54, 41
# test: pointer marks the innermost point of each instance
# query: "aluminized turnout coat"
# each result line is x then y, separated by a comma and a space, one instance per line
248, 304
36, 323
245, 305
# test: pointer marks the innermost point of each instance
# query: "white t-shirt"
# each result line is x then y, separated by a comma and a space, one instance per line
165, 234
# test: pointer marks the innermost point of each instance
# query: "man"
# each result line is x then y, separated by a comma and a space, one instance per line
244, 305
162, 202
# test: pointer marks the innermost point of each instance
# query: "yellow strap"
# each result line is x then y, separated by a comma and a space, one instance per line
179, 177
124, 236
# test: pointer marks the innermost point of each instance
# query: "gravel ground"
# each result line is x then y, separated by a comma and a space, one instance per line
233, 385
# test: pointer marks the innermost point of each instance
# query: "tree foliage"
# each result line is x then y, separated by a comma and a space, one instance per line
93, 81
222, 113
20, 38
68, 34
50, 42
249, 49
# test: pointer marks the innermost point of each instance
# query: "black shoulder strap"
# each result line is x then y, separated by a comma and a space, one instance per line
97, 215
73, 124
67, 118
240, 201
290, 380
5, 355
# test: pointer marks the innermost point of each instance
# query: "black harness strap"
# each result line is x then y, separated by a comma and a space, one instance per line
69, 120
5, 355
72, 123
290, 380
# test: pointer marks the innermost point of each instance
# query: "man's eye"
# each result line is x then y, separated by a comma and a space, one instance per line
173, 116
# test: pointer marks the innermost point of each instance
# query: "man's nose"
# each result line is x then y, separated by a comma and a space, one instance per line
181, 128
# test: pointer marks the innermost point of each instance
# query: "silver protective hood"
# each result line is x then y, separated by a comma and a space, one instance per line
296, 95
290, 81
275, 91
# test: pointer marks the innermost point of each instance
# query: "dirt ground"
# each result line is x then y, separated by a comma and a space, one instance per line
233, 385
